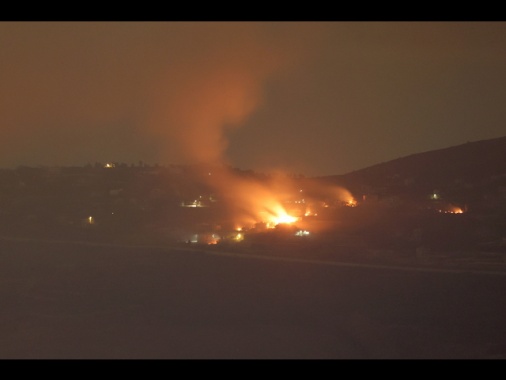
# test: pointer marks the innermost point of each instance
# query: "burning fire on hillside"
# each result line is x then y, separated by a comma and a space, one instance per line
280, 218
211, 102
254, 203
452, 210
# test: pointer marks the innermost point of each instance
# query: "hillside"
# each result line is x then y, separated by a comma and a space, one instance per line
470, 164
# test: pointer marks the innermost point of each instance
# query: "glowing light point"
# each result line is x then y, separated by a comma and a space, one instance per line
351, 202
286, 219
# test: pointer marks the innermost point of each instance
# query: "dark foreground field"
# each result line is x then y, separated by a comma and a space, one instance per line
66, 301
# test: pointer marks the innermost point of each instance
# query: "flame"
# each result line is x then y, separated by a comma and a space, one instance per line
310, 213
282, 218
252, 201
259, 203
452, 210
351, 202
275, 215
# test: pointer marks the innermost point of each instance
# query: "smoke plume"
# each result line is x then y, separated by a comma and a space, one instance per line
201, 97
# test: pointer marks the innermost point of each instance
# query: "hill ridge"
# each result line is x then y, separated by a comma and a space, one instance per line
468, 162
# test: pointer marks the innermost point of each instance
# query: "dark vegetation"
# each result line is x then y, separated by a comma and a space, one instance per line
406, 207
148, 293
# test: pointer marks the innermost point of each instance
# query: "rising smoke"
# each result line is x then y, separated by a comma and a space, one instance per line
206, 93
209, 93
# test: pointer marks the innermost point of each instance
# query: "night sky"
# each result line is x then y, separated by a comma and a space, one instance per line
317, 98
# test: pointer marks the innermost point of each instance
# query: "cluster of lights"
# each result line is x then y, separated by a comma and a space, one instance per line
213, 240
197, 202
351, 203
210, 240
454, 211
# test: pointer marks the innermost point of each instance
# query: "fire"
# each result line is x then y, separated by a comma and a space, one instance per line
281, 219
276, 215
256, 203
351, 202
253, 202
452, 210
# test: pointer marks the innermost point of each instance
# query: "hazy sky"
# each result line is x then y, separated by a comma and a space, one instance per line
317, 98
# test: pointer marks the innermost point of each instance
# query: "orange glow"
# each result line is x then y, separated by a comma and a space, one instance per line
213, 239
310, 213
345, 196
452, 210
254, 203
351, 202
282, 218
251, 201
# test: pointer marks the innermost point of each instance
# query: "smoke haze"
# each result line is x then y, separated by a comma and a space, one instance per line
312, 97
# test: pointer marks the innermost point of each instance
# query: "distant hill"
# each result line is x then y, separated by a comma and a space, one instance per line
469, 163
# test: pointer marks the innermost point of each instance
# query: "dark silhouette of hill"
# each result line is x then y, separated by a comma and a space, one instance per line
472, 162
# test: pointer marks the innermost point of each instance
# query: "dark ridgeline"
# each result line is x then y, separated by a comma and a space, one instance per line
472, 164
172, 299
450, 200
470, 177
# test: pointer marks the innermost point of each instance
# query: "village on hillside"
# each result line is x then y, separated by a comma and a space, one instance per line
394, 216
